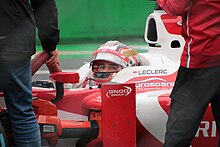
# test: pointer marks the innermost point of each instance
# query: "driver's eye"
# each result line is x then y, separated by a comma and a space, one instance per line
114, 67
101, 67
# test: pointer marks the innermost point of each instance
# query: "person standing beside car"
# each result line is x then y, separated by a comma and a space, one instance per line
198, 81
18, 22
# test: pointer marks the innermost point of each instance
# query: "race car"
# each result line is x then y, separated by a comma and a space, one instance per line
131, 110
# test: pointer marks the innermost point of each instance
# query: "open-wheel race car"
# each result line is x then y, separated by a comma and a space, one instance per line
129, 111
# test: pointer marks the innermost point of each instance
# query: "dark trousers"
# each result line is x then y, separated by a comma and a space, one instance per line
194, 89
15, 81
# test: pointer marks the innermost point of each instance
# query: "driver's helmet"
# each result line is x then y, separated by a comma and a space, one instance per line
116, 56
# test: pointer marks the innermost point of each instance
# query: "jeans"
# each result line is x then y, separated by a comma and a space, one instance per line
15, 82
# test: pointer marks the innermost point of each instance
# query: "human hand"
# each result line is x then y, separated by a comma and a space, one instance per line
54, 59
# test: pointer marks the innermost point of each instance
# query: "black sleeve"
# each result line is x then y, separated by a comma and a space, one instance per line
46, 18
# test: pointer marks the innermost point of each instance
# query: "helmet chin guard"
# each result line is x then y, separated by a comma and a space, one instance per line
103, 77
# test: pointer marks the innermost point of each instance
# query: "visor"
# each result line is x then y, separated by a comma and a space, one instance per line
109, 57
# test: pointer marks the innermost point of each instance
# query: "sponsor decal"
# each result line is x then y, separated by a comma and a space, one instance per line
123, 91
206, 129
154, 83
152, 72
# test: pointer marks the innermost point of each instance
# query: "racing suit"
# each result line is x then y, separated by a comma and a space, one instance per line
19, 19
199, 69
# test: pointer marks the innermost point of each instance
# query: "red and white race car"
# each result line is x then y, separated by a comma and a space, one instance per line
130, 111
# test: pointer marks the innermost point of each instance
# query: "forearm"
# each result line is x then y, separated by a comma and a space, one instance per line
174, 7
46, 18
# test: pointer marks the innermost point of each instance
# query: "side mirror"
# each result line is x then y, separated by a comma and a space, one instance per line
60, 78
65, 77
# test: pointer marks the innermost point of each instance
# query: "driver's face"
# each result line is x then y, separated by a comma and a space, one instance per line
104, 66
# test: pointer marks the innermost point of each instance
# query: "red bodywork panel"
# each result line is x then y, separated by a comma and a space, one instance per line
118, 115
172, 23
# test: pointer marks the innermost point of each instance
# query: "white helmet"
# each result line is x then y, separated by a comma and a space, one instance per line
112, 52
116, 52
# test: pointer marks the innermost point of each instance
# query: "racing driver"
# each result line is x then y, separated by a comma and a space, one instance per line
107, 60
